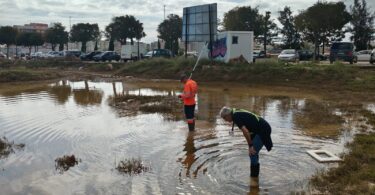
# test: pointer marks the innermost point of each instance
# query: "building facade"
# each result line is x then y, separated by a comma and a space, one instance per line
32, 27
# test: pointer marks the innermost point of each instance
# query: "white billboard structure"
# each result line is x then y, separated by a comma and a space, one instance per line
199, 24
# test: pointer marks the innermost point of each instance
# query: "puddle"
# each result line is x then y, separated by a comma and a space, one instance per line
102, 121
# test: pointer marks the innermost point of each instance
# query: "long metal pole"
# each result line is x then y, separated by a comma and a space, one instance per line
209, 21
196, 63
164, 11
70, 30
186, 33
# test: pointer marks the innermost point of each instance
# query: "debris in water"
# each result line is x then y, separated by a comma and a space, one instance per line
7, 147
132, 166
323, 156
131, 104
156, 107
64, 163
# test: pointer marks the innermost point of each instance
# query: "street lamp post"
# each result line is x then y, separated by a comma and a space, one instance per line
267, 17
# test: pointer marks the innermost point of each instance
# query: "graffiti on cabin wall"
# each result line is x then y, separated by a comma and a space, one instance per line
219, 48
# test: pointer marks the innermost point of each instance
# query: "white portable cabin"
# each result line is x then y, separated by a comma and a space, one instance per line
231, 45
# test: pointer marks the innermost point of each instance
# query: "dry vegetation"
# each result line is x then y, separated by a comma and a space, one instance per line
63, 164
132, 166
7, 147
131, 104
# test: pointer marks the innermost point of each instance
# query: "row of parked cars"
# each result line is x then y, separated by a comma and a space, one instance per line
114, 56
343, 51
90, 56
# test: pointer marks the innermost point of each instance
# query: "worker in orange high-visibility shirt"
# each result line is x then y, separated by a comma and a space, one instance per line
188, 96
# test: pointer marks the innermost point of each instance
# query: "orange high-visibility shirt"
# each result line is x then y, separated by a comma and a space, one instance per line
190, 90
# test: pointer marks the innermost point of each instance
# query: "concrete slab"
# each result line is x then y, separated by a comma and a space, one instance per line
323, 156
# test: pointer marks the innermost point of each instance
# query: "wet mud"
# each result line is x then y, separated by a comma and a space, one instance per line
127, 105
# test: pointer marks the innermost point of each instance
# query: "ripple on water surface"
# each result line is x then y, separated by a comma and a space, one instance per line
76, 118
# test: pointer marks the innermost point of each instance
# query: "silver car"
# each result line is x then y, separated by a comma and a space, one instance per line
289, 55
372, 57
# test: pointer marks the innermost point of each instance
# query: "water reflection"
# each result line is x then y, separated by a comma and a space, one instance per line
189, 157
87, 96
61, 91
210, 160
317, 119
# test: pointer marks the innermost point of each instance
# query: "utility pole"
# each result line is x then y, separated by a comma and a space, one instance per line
164, 11
266, 18
70, 29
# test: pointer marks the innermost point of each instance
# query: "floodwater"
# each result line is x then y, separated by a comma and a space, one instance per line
67, 118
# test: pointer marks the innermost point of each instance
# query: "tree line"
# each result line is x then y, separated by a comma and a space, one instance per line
319, 24
122, 28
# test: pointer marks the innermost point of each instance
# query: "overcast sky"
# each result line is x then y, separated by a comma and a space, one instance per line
149, 12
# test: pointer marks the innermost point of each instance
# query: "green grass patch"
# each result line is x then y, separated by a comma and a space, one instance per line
268, 71
12, 75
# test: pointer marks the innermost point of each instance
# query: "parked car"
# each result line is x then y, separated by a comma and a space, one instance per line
148, 54
342, 51
372, 57
90, 56
39, 55
289, 55
32, 55
107, 56
159, 53
306, 55
2, 55
73, 53
53, 54
259, 54
364, 55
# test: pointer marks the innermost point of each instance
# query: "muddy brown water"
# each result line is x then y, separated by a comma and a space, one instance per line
76, 118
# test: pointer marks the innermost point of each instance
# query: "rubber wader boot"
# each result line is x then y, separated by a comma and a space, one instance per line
254, 175
191, 126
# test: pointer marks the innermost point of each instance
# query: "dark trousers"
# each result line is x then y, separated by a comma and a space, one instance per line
189, 112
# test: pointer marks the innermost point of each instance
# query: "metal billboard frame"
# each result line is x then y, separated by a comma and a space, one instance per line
206, 12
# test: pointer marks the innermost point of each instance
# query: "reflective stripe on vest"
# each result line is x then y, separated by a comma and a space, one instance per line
234, 110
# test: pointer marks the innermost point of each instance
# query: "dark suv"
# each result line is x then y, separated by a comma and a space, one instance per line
90, 56
159, 53
342, 51
107, 56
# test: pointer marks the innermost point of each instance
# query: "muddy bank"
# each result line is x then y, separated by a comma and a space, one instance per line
127, 105
331, 78
14, 75
337, 76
